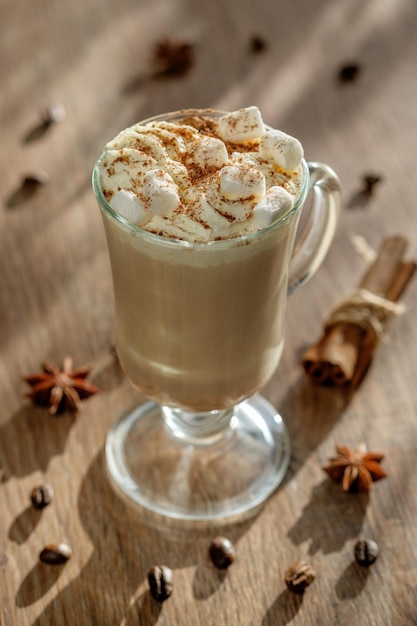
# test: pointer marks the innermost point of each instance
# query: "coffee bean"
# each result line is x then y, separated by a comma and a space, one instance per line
53, 114
222, 552
55, 554
349, 72
41, 496
160, 582
299, 576
32, 181
370, 181
174, 58
257, 44
29, 185
366, 552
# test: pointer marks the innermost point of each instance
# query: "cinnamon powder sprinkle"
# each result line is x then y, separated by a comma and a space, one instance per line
203, 223
203, 125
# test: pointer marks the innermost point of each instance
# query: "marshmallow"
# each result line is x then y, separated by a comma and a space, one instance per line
242, 125
199, 181
284, 150
274, 205
209, 152
240, 182
129, 206
123, 165
160, 192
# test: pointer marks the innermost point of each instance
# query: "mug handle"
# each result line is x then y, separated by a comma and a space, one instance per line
318, 233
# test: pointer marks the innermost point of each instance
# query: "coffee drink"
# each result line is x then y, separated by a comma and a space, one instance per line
202, 209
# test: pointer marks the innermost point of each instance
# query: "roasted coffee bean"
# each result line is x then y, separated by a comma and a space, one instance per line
55, 554
349, 72
299, 576
222, 552
41, 496
53, 114
32, 181
366, 552
257, 44
160, 582
174, 58
29, 185
370, 181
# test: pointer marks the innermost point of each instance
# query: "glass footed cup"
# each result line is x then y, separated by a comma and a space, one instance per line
200, 330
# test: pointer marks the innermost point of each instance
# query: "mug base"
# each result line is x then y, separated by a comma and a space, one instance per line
230, 477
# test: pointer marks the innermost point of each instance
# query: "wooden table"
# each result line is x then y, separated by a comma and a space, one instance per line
56, 300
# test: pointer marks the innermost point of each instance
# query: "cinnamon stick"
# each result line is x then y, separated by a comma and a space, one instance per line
382, 274
403, 277
343, 354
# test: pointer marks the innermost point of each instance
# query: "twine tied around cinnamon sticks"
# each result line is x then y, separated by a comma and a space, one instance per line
355, 327
367, 310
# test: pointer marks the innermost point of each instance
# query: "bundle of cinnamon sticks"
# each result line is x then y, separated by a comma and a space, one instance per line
354, 329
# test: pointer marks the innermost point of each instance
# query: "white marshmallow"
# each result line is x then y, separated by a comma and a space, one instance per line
242, 125
274, 205
209, 152
160, 192
124, 168
284, 150
239, 182
129, 206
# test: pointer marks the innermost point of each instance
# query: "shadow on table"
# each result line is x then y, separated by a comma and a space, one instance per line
28, 442
283, 610
330, 519
112, 588
352, 581
24, 525
32, 436
287, 604
30, 439
310, 412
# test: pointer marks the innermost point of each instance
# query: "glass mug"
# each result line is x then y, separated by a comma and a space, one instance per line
200, 330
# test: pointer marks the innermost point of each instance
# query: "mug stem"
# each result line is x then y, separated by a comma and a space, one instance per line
197, 428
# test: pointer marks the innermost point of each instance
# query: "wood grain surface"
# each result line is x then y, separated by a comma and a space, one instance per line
95, 58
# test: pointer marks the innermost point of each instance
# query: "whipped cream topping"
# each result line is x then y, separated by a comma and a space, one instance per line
204, 178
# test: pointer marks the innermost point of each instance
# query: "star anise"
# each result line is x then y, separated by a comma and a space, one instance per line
60, 389
355, 469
